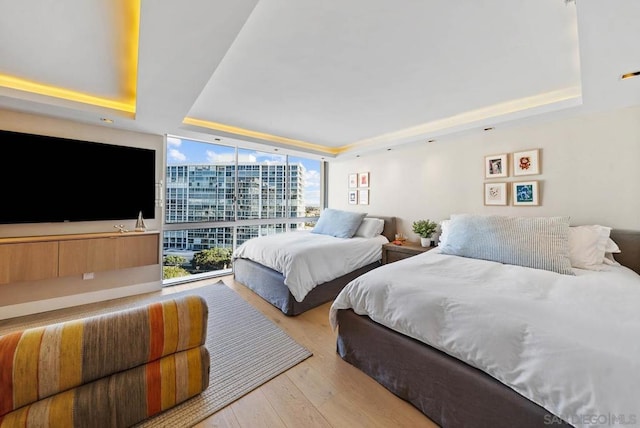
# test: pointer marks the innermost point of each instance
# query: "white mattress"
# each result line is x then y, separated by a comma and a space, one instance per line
308, 259
569, 343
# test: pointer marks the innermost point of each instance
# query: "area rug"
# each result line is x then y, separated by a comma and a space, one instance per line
246, 348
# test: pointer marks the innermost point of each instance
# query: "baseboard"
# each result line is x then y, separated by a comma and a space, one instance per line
21, 309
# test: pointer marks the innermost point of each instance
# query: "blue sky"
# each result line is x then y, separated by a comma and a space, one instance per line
183, 151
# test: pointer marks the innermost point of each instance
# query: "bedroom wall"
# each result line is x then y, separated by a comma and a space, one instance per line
590, 171
34, 296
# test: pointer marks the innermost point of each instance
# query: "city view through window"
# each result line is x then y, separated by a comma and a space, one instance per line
217, 197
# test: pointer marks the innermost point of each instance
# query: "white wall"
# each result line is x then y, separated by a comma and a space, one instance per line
34, 296
590, 171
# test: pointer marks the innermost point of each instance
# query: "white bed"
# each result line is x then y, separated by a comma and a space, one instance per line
568, 342
307, 259
298, 270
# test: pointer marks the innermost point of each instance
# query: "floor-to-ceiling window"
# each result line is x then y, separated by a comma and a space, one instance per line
217, 197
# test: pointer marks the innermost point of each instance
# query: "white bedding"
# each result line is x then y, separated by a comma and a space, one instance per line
307, 259
569, 343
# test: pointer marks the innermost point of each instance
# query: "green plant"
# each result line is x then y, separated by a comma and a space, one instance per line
424, 228
169, 272
174, 260
212, 259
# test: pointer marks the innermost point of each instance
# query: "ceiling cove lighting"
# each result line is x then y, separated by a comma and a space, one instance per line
65, 94
127, 103
566, 96
259, 135
630, 75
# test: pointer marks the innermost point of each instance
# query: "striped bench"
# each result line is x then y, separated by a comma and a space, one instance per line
111, 370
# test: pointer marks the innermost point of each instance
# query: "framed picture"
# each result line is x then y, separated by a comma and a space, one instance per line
526, 163
496, 166
525, 193
353, 180
363, 197
363, 179
495, 193
353, 197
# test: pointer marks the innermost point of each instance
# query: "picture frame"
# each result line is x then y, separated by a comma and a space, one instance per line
363, 179
525, 193
495, 193
363, 196
353, 197
496, 166
353, 180
526, 162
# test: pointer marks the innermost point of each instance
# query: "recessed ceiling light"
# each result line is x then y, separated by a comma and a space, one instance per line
630, 75
106, 120
431, 141
489, 128
275, 150
388, 150
216, 139
357, 156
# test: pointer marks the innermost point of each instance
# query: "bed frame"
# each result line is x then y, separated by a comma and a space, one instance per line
447, 390
269, 284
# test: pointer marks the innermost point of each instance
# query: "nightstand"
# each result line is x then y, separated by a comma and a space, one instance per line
392, 253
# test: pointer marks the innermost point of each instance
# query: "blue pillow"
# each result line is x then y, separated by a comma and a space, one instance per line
341, 224
535, 242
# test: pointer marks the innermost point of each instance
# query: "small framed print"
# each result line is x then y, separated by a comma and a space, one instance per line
353, 180
363, 179
363, 197
495, 193
526, 193
526, 162
353, 197
496, 166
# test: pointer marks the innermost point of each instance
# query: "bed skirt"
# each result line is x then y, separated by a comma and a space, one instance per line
269, 284
450, 392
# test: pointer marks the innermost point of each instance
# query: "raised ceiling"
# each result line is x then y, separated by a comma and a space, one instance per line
329, 78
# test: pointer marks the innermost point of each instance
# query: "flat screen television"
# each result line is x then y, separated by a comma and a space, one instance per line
50, 179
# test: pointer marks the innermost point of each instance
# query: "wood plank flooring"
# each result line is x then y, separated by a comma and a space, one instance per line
322, 391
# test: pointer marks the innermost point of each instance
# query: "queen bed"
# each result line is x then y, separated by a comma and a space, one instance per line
476, 342
299, 270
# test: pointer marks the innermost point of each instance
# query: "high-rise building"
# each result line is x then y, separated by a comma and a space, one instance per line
207, 193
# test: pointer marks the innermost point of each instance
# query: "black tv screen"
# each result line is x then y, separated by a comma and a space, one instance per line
49, 179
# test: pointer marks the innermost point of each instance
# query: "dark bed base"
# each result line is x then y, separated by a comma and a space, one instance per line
450, 392
269, 285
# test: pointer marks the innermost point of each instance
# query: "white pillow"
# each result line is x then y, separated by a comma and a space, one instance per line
444, 232
587, 246
609, 260
611, 248
370, 228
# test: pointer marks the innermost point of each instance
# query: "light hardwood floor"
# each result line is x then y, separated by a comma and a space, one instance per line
322, 391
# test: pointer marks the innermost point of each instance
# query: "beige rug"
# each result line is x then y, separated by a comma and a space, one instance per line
246, 348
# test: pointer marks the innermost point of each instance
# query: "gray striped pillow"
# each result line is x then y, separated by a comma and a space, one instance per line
535, 242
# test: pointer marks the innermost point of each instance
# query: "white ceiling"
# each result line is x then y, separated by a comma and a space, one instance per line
331, 78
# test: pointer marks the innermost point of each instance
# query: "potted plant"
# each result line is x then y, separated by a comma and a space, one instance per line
424, 229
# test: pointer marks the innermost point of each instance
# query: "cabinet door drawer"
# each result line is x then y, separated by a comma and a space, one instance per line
87, 255
28, 261
394, 256
134, 251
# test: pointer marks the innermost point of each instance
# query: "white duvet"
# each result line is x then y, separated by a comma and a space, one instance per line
307, 259
569, 343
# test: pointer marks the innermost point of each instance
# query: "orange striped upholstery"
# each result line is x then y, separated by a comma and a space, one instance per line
120, 367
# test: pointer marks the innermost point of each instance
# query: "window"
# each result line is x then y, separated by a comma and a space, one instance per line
219, 196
